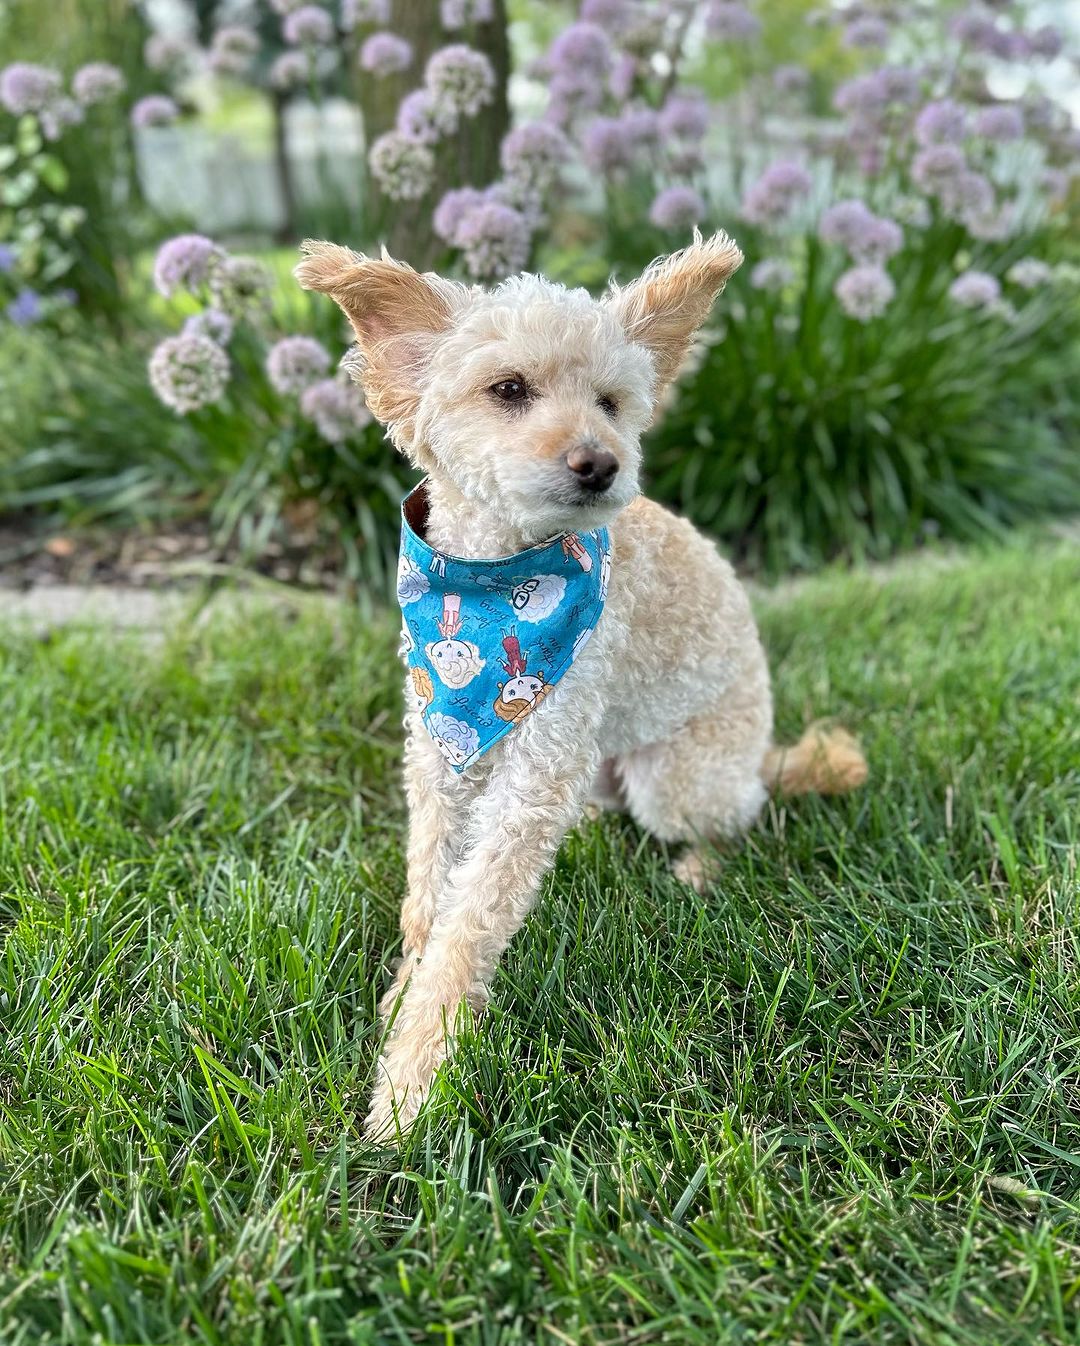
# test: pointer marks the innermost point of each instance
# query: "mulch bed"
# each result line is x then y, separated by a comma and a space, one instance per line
181, 553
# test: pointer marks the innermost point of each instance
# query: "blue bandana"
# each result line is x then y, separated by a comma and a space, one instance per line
485, 641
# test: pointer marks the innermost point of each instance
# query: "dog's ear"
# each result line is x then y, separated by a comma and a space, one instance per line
397, 315
669, 301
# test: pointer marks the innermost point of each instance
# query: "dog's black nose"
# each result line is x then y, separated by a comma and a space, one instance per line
593, 466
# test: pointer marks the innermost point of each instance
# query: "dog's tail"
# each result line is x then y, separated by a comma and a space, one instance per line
827, 760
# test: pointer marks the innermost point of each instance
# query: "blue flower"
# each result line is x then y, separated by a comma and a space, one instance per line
25, 308
7, 258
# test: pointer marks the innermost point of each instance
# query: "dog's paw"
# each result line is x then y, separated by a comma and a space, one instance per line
392, 1113
698, 869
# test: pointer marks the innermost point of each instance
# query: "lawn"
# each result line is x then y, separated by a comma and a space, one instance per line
834, 1101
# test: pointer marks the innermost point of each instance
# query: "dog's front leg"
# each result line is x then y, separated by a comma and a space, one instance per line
438, 812
535, 794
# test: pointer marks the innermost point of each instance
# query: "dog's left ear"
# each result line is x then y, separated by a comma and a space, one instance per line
669, 301
397, 314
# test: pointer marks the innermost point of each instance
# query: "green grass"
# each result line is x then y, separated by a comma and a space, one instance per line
835, 1101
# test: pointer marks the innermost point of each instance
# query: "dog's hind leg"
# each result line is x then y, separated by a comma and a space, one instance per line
704, 784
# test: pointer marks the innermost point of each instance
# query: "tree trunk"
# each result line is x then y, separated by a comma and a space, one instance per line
468, 158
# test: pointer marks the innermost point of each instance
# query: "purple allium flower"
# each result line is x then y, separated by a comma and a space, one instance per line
975, 289
357, 13
623, 74
976, 29
97, 82
677, 208
571, 93
460, 79
25, 308
233, 49
7, 259
294, 363
57, 116
523, 196
941, 122
188, 372
336, 408
610, 14
1001, 122
912, 211
874, 92
865, 292
211, 322
1029, 273
185, 262
731, 21
866, 31
403, 167
534, 153
422, 118
608, 146
968, 196
451, 211
790, 78
166, 52
454, 14
881, 239
494, 240
156, 109
237, 282
993, 224
844, 222
385, 54
25, 87
935, 167
773, 195
772, 274
308, 26
684, 116
866, 236
290, 70
1046, 42
683, 159
582, 49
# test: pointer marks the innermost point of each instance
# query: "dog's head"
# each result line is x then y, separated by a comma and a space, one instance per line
531, 398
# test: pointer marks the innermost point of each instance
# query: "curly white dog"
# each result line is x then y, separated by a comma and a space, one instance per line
525, 406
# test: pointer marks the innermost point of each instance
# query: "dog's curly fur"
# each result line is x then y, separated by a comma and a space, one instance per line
667, 712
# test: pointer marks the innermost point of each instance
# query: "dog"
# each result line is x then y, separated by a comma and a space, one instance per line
524, 405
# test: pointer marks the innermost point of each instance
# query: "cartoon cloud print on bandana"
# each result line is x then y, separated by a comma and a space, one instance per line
412, 583
455, 661
536, 598
523, 691
456, 740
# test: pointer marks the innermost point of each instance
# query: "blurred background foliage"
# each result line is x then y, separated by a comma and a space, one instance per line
858, 392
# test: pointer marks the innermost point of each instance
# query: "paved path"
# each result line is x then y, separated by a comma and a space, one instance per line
120, 607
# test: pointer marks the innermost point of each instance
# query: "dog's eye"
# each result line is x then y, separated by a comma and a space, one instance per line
608, 406
510, 390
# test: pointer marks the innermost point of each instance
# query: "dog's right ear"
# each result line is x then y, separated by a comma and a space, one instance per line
397, 315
